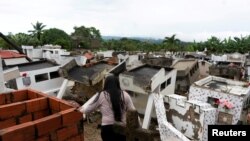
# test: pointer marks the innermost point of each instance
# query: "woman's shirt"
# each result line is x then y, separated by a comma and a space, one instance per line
105, 106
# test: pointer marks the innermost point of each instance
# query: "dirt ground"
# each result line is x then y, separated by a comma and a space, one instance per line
91, 132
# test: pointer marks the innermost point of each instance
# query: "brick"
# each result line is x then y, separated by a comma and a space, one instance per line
73, 104
54, 104
7, 123
54, 111
21, 132
53, 136
43, 138
31, 94
40, 114
25, 118
36, 94
38, 104
67, 132
40, 94
77, 138
12, 110
48, 124
71, 116
80, 126
64, 106
8, 97
82, 137
2, 99
19, 95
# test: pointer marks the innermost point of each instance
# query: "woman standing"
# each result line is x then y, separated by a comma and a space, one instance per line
113, 104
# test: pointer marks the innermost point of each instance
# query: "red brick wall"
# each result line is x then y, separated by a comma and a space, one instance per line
31, 115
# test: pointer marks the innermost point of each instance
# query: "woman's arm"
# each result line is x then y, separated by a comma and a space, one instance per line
90, 105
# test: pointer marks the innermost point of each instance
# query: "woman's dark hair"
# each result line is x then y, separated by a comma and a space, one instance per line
112, 87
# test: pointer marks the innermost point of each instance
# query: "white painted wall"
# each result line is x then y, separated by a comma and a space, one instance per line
140, 97
37, 53
167, 131
204, 68
202, 94
127, 83
106, 53
218, 58
170, 88
121, 57
33, 53
40, 53
133, 62
81, 60
11, 73
132, 58
47, 86
181, 105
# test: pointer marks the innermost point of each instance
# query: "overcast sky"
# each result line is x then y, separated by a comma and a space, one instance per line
188, 19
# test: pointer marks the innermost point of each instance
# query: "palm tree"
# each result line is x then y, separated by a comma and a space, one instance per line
38, 30
241, 44
172, 43
214, 44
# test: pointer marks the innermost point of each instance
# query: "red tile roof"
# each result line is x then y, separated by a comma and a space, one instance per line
7, 54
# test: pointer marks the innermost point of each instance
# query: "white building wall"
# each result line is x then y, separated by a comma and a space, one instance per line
131, 60
80, 60
47, 86
202, 94
37, 53
170, 88
11, 73
106, 53
204, 68
218, 58
140, 96
127, 83
183, 118
121, 57
167, 131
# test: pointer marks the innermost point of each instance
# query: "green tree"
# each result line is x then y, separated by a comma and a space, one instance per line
38, 30
18, 39
3, 44
242, 44
171, 43
86, 37
24, 39
214, 44
56, 37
